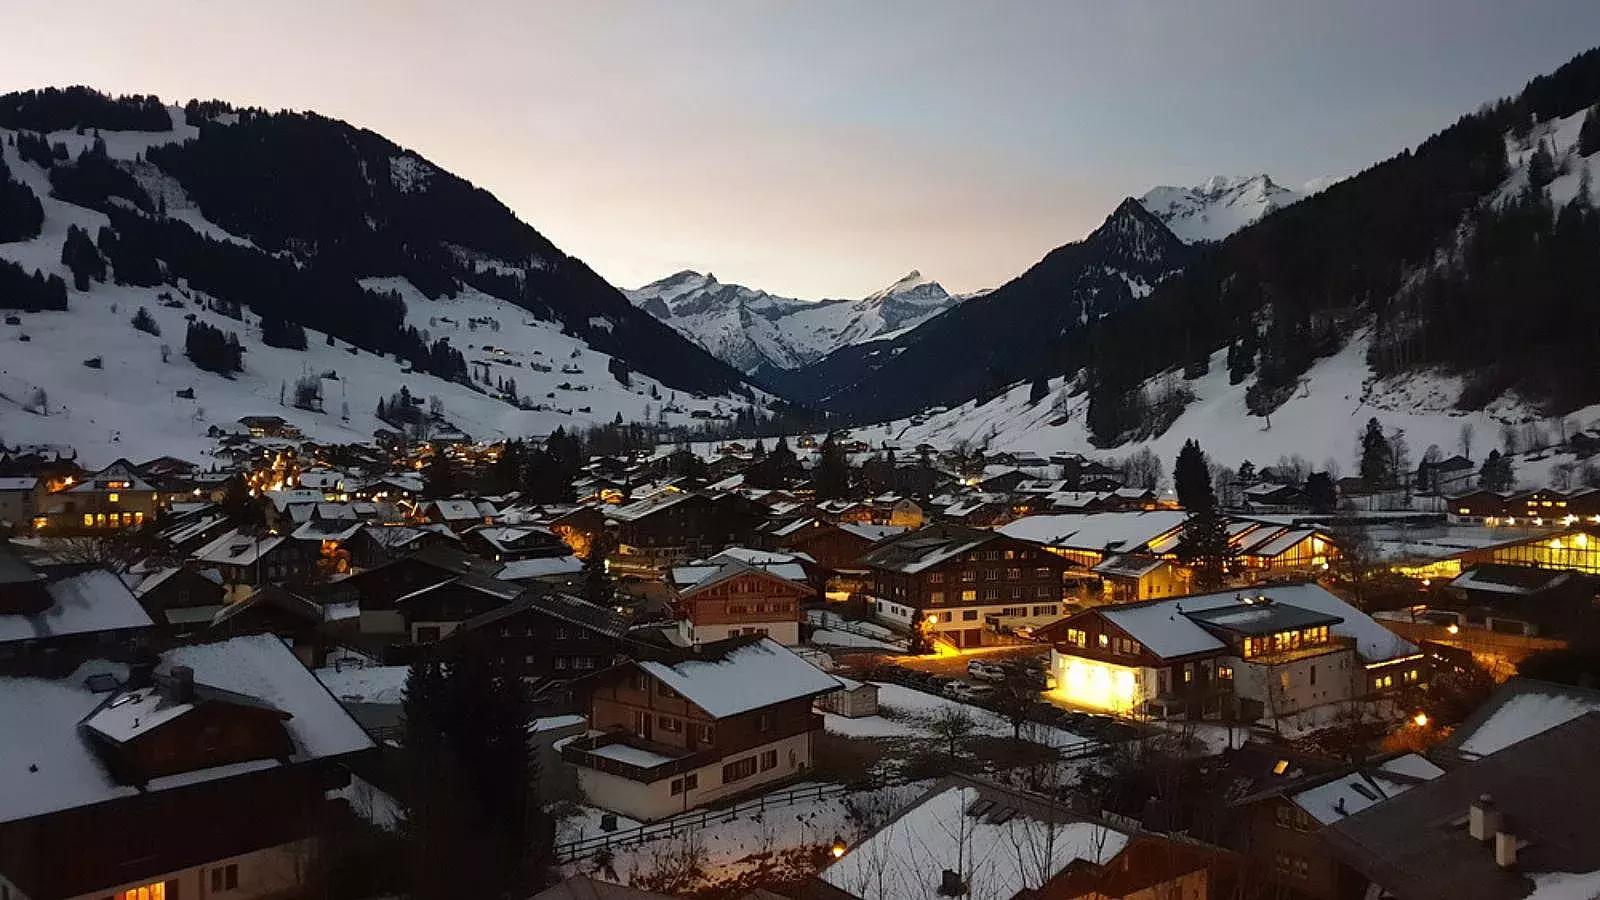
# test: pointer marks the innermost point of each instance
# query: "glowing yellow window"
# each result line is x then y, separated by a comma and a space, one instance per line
114, 497
157, 891
100, 519
88, 520
138, 518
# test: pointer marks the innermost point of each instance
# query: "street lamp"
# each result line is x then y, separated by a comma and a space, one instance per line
838, 847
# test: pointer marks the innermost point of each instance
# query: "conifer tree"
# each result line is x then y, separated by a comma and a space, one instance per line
1376, 455
1541, 166
1589, 132
1191, 477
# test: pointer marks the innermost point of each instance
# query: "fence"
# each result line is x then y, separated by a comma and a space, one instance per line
874, 634
689, 822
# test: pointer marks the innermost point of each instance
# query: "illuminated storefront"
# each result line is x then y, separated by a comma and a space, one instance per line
1097, 685
1578, 550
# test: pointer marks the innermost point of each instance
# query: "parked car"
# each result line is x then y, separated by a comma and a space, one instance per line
986, 671
961, 690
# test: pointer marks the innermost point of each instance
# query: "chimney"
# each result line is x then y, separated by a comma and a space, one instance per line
1339, 807
141, 674
950, 884
1483, 819
1505, 850
178, 684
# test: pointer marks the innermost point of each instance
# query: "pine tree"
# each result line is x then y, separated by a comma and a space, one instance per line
832, 477
597, 587
1541, 166
1191, 477
143, 321
1496, 473
1039, 390
381, 410
1321, 493
1376, 455
1203, 547
1589, 132
439, 481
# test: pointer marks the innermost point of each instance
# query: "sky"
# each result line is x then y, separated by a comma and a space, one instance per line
819, 148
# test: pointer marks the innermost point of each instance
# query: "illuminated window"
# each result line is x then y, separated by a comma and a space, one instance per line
969, 596
1105, 641
100, 519
88, 520
157, 891
114, 497
1224, 673
1281, 767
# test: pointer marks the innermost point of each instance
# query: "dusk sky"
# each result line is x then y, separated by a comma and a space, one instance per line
824, 148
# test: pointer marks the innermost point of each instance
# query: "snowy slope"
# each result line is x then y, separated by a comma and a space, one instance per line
756, 331
1219, 207
130, 408
1321, 422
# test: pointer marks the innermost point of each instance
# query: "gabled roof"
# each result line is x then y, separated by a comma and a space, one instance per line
1129, 565
694, 579
540, 567
738, 675
50, 766
1010, 844
82, 601
567, 608
1517, 710
1121, 532
1335, 798
237, 549
121, 470
921, 550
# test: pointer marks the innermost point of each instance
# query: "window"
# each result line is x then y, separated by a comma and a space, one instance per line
1383, 681
640, 721
1077, 637
936, 578
769, 760
1048, 610
969, 596
1105, 641
991, 593
936, 596
1188, 673
1411, 675
638, 681
1291, 866
114, 497
1042, 572
1225, 673
670, 724
677, 786
969, 575
969, 615
225, 878
734, 771
691, 781
1042, 592
702, 733
1013, 574
946, 617
1011, 554
991, 574
561, 663
665, 692
764, 722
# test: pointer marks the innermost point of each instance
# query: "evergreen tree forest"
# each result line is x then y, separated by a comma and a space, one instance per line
20, 290
61, 109
209, 348
21, 213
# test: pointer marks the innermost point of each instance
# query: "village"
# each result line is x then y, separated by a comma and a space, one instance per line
800, 666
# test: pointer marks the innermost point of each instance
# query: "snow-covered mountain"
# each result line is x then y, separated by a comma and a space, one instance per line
542, 342
1219, 207
760, 333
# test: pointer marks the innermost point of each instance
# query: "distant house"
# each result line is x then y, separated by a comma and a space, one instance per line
269, 427
505, 543
693, 727
1446, 476
949, 579
731, 597
113, 498
59, 608
857, 699
547, 639
21, 499
1133, 577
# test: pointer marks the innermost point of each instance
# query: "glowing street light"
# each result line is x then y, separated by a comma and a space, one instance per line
1421, 719
838, 847
1453, 628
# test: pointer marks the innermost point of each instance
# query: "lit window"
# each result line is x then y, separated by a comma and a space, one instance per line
1105, 641
114, 497
1279, 768
157, 891
88, 520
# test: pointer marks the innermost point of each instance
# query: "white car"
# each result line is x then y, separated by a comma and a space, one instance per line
985, 671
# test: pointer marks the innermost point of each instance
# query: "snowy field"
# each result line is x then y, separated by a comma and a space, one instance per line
908, 713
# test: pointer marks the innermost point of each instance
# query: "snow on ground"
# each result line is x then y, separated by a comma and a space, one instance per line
828, 638
375, 684
1565, 886
1321, 422
908, 713
728, 840
371, 803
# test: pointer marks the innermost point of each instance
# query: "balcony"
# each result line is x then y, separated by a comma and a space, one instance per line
1334, 644
626, 756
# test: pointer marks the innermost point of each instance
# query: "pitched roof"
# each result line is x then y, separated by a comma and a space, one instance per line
1116, 531
50, 766
737, 675
1417, 846
921, 550
1518, 710
565, 607
82, 601
237, 549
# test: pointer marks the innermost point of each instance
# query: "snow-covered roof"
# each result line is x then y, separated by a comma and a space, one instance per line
648, 506
1162, 625
1281, 543
18, 484
873, 533
1122, 531
633, 756
1003, 848
153, 580
540, 567
1520, 709
744, 677
1349, 794
326, 530
690, 579
921, 550
49, 766
760, 557
365, 684
237, 549
84, 602
457, 510
1131, 565
281, 500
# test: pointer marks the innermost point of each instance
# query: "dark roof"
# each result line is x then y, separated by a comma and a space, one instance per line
558, 606
1416, 845
917, 551
582, 887
1556, 704
1525, 577
1262, 618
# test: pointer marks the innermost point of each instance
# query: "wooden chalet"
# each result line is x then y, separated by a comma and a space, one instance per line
729, 597
684, 728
